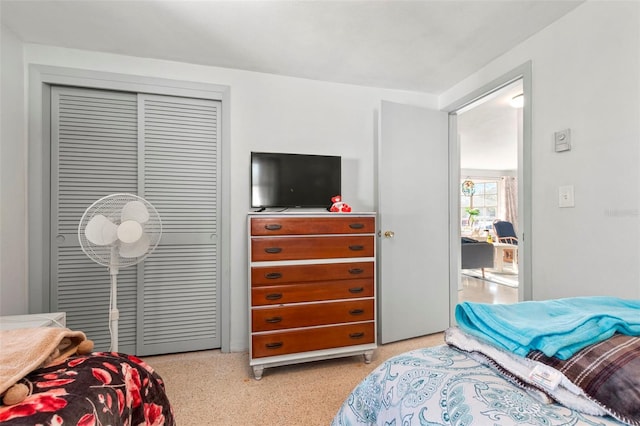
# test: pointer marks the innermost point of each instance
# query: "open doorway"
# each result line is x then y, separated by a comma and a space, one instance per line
489, 132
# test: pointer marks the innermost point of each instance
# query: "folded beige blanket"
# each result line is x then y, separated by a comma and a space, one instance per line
26, 349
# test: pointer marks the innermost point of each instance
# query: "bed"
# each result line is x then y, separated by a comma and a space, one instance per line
469, 381
98, 388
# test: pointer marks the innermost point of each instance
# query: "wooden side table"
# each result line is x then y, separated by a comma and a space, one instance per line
498, 260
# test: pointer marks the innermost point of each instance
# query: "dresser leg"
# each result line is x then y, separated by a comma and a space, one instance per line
257, 371
367, 357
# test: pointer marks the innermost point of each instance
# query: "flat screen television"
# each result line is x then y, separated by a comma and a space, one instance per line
294, 180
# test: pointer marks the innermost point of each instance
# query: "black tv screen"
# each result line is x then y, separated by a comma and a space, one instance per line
294, 180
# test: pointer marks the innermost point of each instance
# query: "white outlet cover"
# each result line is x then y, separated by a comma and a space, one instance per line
565, 196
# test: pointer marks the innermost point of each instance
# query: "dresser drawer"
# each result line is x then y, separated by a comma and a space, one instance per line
307, 315
304, 340
298, 248
276, 275
311, 292
304, 226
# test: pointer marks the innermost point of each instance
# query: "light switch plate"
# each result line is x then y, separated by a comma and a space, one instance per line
562, 140
565, 196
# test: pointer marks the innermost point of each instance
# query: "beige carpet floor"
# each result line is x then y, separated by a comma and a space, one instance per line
214, 388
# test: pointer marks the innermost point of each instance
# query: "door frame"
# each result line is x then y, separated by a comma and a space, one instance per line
525, 290
41, 78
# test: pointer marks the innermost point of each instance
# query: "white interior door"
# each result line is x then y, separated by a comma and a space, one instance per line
413, 207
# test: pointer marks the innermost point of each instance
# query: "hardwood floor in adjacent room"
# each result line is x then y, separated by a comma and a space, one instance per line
481, 291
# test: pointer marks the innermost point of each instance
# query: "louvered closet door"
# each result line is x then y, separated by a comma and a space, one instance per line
94, 152
178, 298
163, 149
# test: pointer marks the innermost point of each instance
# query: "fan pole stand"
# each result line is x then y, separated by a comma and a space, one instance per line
114, 314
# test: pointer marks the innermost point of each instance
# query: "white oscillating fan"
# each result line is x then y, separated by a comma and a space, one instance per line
116, 231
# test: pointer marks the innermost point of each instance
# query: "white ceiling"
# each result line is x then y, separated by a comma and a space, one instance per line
411, 45
419, 45
488, 131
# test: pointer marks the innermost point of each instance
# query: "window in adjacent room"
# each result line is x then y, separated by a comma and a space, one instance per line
484, 201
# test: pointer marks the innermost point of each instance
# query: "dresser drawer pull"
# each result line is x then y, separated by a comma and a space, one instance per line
356, 247
356, 271
273, 250
273, 227
273, 320
273, 296
356, 311
356, 290
274, 345
356, 335
273, 275
356, 225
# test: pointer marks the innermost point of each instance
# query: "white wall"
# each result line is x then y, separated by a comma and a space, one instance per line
268, 113
13, 160
586, 77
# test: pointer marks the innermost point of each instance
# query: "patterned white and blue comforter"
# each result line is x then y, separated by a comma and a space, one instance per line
443, 386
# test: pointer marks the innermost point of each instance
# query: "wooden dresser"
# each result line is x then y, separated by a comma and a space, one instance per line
311, 287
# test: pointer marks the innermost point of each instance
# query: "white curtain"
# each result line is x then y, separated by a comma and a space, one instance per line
511, 200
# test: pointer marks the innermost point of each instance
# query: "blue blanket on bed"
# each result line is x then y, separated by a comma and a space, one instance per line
557, 328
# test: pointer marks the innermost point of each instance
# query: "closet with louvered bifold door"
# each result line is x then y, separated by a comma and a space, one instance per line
166, 150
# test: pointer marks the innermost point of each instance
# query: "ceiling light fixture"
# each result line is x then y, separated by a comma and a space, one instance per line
517, 101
